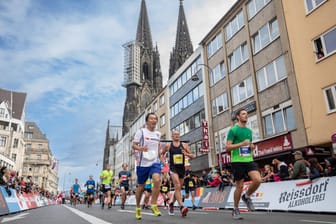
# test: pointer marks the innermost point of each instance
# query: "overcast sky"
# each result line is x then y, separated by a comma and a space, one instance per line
67, 56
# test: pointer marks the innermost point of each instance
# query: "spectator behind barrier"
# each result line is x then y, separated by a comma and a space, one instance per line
330, 166
281, 169
300, 168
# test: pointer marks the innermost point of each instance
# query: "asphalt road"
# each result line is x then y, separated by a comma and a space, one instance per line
65, 214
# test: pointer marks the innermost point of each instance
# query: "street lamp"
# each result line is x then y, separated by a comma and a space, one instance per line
69, 173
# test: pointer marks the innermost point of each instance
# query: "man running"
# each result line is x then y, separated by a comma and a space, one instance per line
106, 179
124, 178
177, 153
239, 143
75, 192
190, 187
147, 143
90, 190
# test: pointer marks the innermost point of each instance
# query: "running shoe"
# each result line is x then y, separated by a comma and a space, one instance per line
248, 203
184, 211
155, 210
102, 205
236, 214
122, 206
109, 206
194, 208
171, 209
138, 213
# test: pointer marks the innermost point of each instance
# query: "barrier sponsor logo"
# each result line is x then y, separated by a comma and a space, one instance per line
305, 194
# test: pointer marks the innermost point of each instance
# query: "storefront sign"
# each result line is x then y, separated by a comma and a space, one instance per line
272, 146
205, 134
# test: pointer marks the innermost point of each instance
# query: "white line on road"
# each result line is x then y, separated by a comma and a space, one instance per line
314, 221
87, 217
19, 216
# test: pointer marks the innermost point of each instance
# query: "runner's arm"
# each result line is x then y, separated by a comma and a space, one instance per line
187, 151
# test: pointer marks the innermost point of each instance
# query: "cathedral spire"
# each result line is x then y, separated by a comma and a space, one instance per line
143, 34
183, 46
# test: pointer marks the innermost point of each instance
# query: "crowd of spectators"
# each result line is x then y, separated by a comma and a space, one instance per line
10, 179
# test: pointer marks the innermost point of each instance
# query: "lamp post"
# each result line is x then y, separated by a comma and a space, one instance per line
196, 78
69, 173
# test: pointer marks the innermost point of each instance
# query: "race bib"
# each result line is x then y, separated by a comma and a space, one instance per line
164, 189
245, 151
90, 186
149, 155
107, 186
123, 177
191, 184
178, 158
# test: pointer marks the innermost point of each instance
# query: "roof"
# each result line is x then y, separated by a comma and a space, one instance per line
16, 100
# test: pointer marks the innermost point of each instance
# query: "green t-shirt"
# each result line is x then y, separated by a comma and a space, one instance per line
237, 135
108, 176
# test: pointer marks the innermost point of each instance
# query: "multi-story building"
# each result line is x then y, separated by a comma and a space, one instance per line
12, 116
189, 110
311, 27
39, 162
251, 67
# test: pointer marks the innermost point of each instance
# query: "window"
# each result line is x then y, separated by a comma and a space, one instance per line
254, 6
220, 104
156, 106
330, 96
187, 100
242, 91
2, 141
40, 146
234, 26
215, 45
279, 121
39, 157
271, 73
325, 44
29, 135
2, 112
217, 73
15, 143
238, 57
162, 100
312, 4
265, 35
184, 77
163, 120
14, 157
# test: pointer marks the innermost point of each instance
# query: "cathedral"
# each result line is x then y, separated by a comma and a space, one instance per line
142, 69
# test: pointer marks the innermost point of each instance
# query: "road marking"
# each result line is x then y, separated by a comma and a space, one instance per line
19, 216
87, 217
314, 221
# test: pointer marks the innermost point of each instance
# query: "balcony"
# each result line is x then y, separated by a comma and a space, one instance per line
37, 161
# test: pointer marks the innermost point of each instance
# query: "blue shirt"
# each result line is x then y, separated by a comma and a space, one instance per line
75, 188
90, 186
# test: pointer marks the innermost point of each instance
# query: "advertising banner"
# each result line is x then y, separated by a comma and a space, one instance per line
11, 200
212, 197
3, 205
294, 195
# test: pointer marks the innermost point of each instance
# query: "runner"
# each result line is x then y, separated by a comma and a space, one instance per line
106, 178
239, 143
90, 190
124, 178
177, 153
147, 143
148, 192
190, 187
75, 190
165, 188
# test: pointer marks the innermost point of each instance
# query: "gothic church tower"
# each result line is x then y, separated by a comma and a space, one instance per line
142, 71
183, 46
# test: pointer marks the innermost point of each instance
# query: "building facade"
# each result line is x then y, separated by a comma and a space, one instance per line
12, 118
311, 29
39, 162
252, 67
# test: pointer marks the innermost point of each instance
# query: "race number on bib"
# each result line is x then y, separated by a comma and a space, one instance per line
107, 186
245, 151
178, 159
